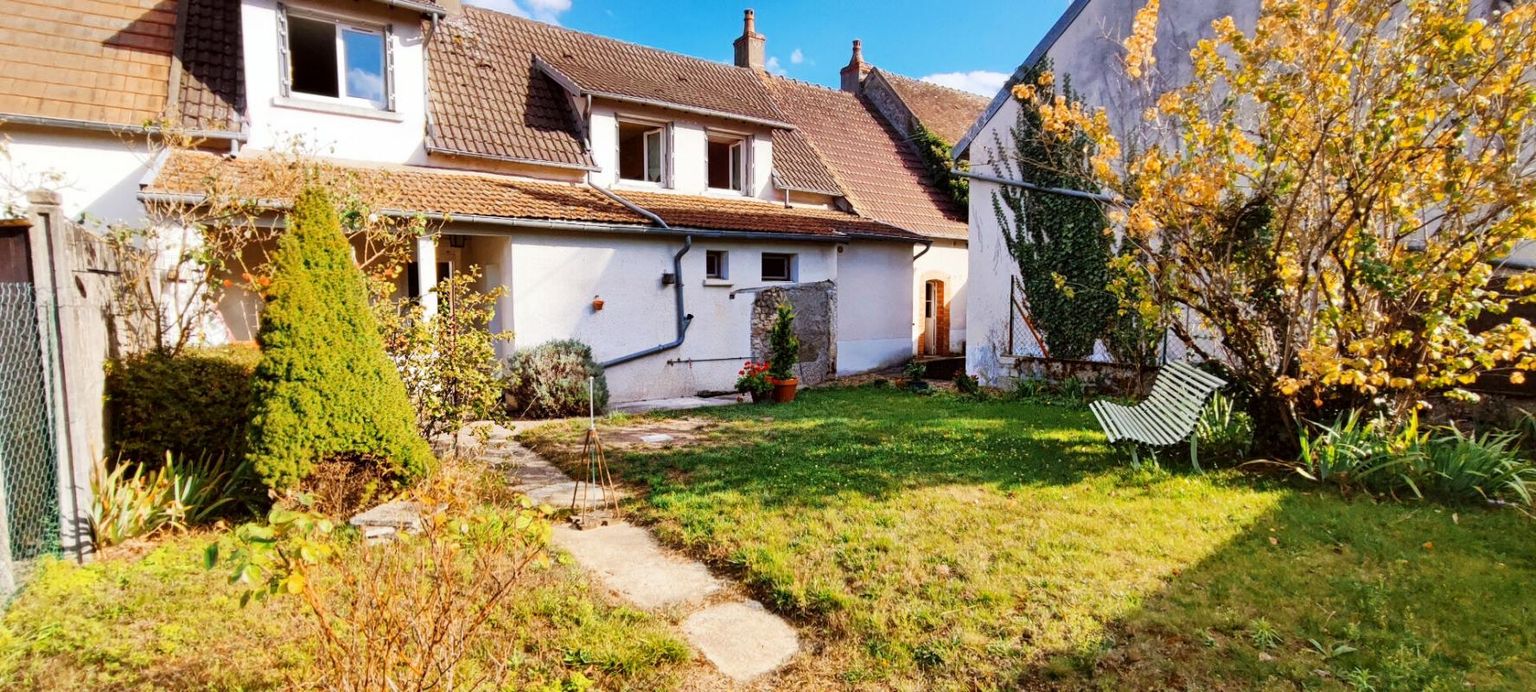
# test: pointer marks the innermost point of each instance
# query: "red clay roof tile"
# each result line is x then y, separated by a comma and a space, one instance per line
882, 175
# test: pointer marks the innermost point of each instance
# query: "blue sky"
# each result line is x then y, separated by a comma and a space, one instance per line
970, 45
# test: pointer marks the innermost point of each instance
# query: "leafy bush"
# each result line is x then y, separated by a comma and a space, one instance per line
783, 345
130, 500
371, 621
190, 404
325, 389
1070, 391
1381, 456
967, 385
448, 363
1224, 431
550, 380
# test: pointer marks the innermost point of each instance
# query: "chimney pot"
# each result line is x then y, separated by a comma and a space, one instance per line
751, 47
853, 74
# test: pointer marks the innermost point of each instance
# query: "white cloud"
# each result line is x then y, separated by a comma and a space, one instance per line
365, 85
540, 10
796, 57
773, 66
983, 82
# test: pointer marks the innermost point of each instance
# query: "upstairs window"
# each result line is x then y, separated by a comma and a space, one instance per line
727, 163
642, 152
778, 266
337, 60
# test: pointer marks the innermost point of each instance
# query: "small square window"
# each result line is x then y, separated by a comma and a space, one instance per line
727, 163
778, 267
715, 265
642, 152
337, 61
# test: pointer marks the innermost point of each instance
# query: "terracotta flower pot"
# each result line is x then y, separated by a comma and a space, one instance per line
760, 397
784, 390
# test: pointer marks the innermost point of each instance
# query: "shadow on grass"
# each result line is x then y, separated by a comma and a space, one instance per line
1322, 592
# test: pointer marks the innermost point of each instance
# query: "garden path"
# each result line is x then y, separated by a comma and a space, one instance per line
741, 638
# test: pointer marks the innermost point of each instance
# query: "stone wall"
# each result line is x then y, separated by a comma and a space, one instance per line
815, 324
885, 100
1106, 378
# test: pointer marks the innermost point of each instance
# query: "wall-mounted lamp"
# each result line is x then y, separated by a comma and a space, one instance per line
458, 241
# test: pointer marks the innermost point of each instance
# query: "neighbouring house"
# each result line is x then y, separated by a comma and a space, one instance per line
1084, 46
653, 205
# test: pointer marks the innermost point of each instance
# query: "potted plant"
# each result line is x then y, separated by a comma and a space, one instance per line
753, 379
783, 353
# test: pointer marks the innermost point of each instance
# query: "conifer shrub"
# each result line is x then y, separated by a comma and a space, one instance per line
325, 390
550, 380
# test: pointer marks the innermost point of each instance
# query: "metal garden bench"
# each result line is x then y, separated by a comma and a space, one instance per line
1167, 416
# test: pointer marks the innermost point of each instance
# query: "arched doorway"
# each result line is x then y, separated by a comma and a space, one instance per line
935, 341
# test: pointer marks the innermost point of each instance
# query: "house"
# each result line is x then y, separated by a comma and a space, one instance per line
1085, 46
652, 205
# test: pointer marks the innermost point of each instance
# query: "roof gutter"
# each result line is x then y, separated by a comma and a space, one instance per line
419, 6
927, 245
431, 149
1079, 194
94, 126
536, 224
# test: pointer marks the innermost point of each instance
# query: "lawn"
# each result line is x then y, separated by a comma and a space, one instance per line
938, 541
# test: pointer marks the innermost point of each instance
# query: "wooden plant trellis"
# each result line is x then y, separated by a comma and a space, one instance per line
587, 511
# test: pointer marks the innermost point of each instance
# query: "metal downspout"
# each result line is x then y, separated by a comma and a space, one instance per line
927, 245
683, 318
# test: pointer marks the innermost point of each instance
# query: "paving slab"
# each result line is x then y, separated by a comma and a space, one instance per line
743, 640
628, 560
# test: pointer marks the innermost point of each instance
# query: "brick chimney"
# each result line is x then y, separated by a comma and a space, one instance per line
853, 73
751, 47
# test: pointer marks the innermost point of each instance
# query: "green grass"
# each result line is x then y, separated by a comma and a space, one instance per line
936, 541
161, 621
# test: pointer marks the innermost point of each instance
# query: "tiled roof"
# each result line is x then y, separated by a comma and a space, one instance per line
490, 99
883, 177
414, 189
487, 99
798, 165
946, 112
86, 60
627, 71
212, 90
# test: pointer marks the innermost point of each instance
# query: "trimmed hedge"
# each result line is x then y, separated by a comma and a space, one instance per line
550, 380
192, 404
325, 390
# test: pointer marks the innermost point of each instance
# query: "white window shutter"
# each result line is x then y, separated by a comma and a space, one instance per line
285, 64
389, 66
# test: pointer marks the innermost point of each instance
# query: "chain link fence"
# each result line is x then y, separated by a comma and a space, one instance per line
29, 513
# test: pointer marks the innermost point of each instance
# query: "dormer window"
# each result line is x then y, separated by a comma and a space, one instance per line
643, 152
727, 163
337, 60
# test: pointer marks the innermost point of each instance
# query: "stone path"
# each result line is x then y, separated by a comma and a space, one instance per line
742, 639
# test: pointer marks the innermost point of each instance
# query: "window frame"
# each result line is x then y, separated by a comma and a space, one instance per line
791, 267
339, 26
738, 145
663, 132
722, 262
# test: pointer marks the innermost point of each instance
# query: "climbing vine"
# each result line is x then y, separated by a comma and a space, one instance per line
1062, 244
934, 152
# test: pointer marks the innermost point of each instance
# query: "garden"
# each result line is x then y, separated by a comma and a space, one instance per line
1360, 518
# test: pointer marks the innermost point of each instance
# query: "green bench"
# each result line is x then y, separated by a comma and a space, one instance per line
1167, 416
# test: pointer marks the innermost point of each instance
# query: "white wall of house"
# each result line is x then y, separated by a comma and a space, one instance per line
553, 278
97, 173
688, 147
874, 311
947, 261
1089, 52
326, 127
